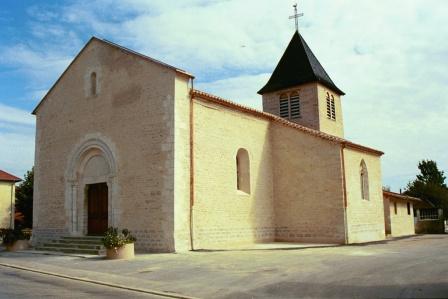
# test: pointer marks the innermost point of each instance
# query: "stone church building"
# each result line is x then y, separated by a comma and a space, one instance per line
125, 140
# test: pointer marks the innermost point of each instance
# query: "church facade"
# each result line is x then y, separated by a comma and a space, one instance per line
125, 140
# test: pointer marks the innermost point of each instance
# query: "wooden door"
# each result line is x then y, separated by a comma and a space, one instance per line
97, 208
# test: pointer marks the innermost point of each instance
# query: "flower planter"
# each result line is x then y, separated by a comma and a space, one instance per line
124, 252
18, 245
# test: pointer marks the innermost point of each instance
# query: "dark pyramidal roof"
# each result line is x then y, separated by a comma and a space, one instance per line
298, 65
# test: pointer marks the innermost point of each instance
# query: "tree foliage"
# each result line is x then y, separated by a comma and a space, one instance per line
430, 185
24, 200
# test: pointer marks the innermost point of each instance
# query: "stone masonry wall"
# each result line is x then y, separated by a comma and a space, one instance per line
134, 111
402, 223
182, 165
224, 216
329, 126
307, 187
365, 218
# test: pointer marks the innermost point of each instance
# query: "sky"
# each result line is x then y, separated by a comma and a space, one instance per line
389, 57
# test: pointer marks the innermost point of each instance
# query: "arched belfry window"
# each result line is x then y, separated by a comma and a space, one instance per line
243, 171
289, 105
364, 176
93, 84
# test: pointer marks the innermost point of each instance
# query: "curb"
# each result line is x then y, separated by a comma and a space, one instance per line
97, 282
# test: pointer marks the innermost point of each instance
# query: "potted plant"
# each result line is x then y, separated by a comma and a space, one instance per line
118, 245
15, 239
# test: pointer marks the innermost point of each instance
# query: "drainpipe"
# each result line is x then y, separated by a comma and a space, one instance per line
344, 194
191, 166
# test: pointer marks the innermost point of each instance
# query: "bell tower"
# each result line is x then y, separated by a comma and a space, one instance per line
301, 91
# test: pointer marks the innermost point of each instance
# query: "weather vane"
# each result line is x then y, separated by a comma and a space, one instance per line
296, 16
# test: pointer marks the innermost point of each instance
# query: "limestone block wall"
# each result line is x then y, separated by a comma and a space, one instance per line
182, 164
332, 127
222, 215
133, 112
402, 223
7, 190
307, 187
365, 218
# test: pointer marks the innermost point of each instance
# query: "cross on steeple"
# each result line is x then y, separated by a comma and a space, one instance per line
296, 16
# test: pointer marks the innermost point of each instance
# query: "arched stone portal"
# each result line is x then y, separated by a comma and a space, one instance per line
92, 163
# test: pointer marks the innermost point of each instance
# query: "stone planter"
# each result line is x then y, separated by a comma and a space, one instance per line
18, 245
125, 252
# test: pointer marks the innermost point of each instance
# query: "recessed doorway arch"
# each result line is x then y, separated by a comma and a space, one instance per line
91, 187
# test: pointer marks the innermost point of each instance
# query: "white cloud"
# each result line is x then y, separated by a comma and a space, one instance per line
13, 115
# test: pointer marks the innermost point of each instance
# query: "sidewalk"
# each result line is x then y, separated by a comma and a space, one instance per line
204, 273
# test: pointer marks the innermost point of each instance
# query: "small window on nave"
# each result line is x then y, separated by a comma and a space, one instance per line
364, 180
243, 171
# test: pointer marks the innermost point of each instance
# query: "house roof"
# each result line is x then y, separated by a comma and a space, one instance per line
400, 196
297, 66
282, 121
121, 48
7, 177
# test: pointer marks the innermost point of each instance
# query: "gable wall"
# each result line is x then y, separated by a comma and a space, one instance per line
224, 217
133, 111
365, 218
307, 187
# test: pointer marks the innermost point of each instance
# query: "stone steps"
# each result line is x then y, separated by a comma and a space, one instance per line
75, 245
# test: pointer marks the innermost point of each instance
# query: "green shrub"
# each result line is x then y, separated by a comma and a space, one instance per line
9, 235
113, 239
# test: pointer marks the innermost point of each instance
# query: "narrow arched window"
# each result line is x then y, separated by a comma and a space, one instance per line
294, 105
284, 106
243, 171
93, 84
364, 175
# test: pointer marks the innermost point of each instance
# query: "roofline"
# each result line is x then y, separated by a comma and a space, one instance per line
15, 180
282, 121
401, 196
127, 50
12, 179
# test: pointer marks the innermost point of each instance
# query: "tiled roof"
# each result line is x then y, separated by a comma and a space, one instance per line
400, 196
277, 119
297, 66
7, 177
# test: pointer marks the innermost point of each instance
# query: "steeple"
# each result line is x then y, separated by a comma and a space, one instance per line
298, 66
301, 91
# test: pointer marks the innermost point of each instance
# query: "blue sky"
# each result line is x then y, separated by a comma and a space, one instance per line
390, 58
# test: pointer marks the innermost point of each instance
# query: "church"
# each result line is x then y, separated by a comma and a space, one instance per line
125, 140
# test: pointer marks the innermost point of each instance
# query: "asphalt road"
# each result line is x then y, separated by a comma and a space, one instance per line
22, 284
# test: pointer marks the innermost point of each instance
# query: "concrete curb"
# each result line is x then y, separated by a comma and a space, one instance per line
117, 286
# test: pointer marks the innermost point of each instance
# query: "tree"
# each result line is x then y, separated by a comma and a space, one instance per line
430, 185
24, 200
430, 174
